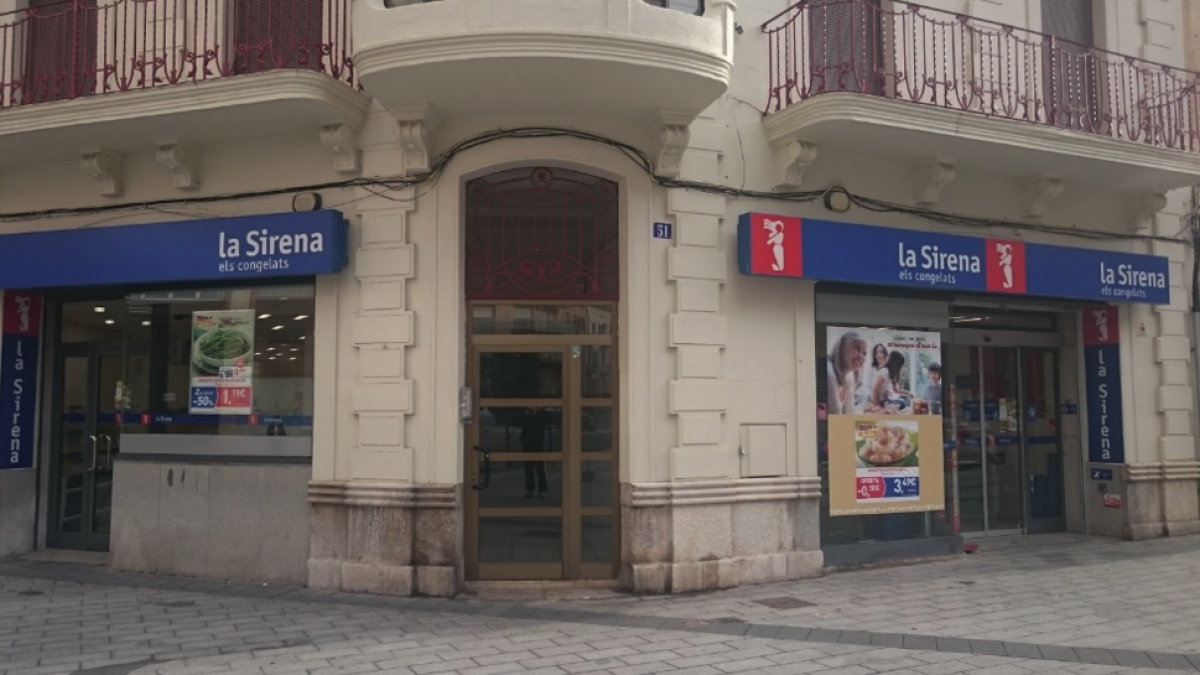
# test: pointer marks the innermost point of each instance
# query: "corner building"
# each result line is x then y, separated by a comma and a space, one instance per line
392, 296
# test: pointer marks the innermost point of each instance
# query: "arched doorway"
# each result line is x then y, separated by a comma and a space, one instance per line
542, 285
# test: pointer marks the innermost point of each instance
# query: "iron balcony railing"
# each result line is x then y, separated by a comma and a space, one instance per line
920, 55
75, 48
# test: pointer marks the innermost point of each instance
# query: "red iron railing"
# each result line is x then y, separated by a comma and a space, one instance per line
921, 55
74, 48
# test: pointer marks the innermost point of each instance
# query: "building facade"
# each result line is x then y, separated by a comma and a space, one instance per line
394, 296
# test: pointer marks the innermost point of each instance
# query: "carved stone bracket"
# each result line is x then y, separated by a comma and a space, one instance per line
416, 124
1045, 190
672, 135
791, 160
181, 161
1148, 207
342, 142
939, 174
106, 168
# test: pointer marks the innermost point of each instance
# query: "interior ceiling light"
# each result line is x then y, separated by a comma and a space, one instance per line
279, 327
300, 317
145, 323
264, 315
110, 321
98, 310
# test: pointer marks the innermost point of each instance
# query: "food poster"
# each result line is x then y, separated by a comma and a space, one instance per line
222, 363
885, 421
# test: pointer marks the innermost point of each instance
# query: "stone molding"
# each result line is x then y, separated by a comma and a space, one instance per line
705, 492
393, 495
1162, 471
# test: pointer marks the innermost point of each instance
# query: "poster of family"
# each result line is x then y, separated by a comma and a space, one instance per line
884, 402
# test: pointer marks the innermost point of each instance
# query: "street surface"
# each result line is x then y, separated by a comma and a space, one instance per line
1048, 604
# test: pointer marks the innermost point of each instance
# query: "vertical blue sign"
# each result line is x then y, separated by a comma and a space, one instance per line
19, 346
1102, 379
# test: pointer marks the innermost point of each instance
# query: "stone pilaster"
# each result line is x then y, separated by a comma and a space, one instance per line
1162, 482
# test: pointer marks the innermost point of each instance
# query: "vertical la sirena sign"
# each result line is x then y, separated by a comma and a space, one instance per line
1102, 379
20, 343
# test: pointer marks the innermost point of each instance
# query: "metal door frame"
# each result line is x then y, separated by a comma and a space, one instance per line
1042, 344
572, 457
85, 540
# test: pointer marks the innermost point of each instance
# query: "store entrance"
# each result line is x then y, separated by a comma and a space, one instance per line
97, 386
1008, 437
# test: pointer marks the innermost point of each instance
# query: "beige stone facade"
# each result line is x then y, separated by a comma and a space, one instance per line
704, 354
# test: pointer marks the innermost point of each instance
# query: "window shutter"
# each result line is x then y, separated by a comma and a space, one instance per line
1068, 19
843, 45
60, 50
1072, 98
273, 34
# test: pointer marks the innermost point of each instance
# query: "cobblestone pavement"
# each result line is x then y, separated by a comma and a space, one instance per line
1060, 589
1087, 606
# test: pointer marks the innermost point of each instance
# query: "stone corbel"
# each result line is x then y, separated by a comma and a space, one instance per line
342, 142
938, 174
791, 160
106, 168
1148, 207
181, 161
672, 133
416, 125
1045, 190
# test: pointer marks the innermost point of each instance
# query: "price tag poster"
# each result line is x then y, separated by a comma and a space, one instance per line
885, 442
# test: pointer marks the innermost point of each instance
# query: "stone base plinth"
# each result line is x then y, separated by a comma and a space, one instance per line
702, 535
385, 538
1161, 500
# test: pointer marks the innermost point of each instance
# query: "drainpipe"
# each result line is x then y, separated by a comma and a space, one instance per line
1194, 227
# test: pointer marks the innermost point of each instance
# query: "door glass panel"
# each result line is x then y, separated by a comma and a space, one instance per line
964, 364
542, 320
597, 370
1043, 451
521, 540
523, 375
505, 429
123, 396
596, 484
1003, 432
597, 539
522, 485
75, 449
597, 429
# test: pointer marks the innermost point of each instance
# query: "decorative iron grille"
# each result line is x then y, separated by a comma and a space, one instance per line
542, 234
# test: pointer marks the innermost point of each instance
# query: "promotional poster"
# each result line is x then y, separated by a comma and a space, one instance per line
222, 363
884, 403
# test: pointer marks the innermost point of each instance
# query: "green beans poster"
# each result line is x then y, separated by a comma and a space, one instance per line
222, 363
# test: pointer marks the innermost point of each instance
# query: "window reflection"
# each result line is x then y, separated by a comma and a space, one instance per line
156, 328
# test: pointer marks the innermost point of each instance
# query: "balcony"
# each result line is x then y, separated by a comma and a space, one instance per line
105, 78
920, 84
544, 62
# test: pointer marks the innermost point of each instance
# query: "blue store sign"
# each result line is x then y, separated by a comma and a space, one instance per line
249, 247
1102, 380
828, 251
20, 341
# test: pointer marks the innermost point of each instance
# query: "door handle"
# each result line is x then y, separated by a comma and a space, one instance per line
485, 477
107, 451
95, 453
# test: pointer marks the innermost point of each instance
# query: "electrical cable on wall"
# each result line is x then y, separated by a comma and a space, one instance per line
635, 155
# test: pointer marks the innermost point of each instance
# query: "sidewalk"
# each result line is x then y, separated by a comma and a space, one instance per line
1056, 604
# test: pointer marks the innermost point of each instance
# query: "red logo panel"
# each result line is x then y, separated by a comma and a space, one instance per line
1100, 326
776, 248
1005, 266
22, 314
